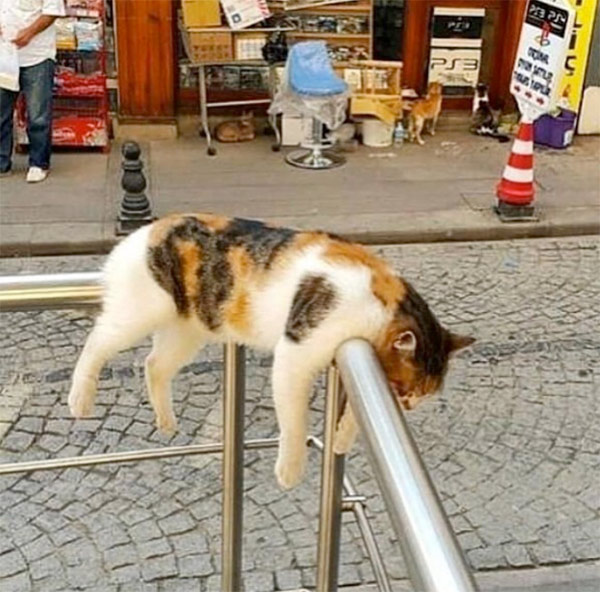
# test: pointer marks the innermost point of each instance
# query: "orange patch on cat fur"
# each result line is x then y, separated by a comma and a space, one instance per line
161, 228
385, 285
189, 256
212, 221
237, 308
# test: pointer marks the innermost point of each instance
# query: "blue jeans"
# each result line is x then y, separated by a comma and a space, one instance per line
36, 84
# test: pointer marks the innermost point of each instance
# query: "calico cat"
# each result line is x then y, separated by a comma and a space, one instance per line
237, 130
197, 278
423, 110
483, 122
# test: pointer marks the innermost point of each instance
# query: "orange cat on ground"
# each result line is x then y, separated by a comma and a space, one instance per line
427, 109
237, 130
194, 279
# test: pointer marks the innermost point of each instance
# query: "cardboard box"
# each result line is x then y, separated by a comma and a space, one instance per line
201, 13
295, 130
208, 47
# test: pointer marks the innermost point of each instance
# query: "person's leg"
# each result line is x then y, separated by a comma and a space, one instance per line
8, 99
37, 83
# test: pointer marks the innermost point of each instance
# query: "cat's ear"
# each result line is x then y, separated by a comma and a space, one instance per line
460, 341
405, 342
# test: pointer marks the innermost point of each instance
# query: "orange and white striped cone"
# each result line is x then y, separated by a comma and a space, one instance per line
516, 186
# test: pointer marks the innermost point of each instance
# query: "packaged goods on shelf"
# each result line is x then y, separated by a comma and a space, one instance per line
89, 35
65, 33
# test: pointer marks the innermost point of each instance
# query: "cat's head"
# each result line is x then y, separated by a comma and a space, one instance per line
481, 90
414, 350
434, 89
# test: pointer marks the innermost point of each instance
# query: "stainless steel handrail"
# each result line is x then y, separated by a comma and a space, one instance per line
51, 291
430, 549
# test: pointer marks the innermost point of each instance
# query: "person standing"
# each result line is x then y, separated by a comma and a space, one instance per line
29, 24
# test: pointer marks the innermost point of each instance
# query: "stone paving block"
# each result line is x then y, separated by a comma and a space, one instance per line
158, 568
145, 531
154, 548
189, 543
195, 566
17, 583
11, 563
119, 556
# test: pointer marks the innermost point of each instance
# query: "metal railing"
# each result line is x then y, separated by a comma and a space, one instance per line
429, 546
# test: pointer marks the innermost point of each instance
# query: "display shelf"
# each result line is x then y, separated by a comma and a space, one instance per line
334, 36
80, 112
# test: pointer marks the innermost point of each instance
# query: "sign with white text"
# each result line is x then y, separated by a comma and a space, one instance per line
538, 68
456, 44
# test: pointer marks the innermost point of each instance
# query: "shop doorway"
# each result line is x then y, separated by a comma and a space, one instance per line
460, 43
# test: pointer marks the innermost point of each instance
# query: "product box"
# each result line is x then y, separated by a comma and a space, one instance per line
211, 47
201, 13
295, 130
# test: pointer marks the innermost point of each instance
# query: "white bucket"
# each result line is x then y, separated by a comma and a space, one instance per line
376, 133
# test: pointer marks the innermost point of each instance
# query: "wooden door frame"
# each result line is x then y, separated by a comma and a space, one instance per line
146, 60
416, 42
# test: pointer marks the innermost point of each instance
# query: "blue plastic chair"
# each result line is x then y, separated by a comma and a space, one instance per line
310, 75
310, 71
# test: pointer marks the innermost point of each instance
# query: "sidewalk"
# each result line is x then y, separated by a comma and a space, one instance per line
442, 191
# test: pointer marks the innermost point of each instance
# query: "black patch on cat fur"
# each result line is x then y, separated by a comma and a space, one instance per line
164, 263
261, 241
215, 278
312, 302
432, 342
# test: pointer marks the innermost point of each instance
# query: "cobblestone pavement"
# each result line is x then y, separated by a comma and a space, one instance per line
512, 444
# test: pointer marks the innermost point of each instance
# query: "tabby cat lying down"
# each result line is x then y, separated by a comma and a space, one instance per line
195, 279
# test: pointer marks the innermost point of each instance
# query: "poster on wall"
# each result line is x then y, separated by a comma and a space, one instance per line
543, 44
571, 85
456, 44
244, 13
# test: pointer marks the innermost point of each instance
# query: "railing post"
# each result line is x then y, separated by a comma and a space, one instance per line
233, 467
332, 477
433, 556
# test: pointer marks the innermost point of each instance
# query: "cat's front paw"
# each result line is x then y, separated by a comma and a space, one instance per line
166, 424
81, 397
289, 469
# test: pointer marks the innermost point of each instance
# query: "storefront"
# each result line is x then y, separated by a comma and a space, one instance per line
459, 42
155, 84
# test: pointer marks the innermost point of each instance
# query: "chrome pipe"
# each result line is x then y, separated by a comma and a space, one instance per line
233, 467
91, 460
332, 476
50, 291
360, 513
355, 503
431, 551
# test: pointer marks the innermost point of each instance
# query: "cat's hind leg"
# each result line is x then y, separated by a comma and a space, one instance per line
109, 336
133, 307
173, 346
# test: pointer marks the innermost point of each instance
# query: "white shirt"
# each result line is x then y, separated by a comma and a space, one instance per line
18, 14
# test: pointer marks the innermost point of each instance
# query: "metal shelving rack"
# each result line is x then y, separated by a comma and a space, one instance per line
80, 111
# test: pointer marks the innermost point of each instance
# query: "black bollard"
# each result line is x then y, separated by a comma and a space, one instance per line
135, 207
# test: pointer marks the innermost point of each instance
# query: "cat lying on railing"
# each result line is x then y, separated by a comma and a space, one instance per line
193, 279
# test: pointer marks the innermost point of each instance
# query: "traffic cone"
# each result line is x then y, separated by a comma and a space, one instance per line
516, 186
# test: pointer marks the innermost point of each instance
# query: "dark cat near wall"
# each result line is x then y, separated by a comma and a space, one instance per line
484, 122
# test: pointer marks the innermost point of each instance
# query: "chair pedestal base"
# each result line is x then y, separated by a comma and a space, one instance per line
315, 159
